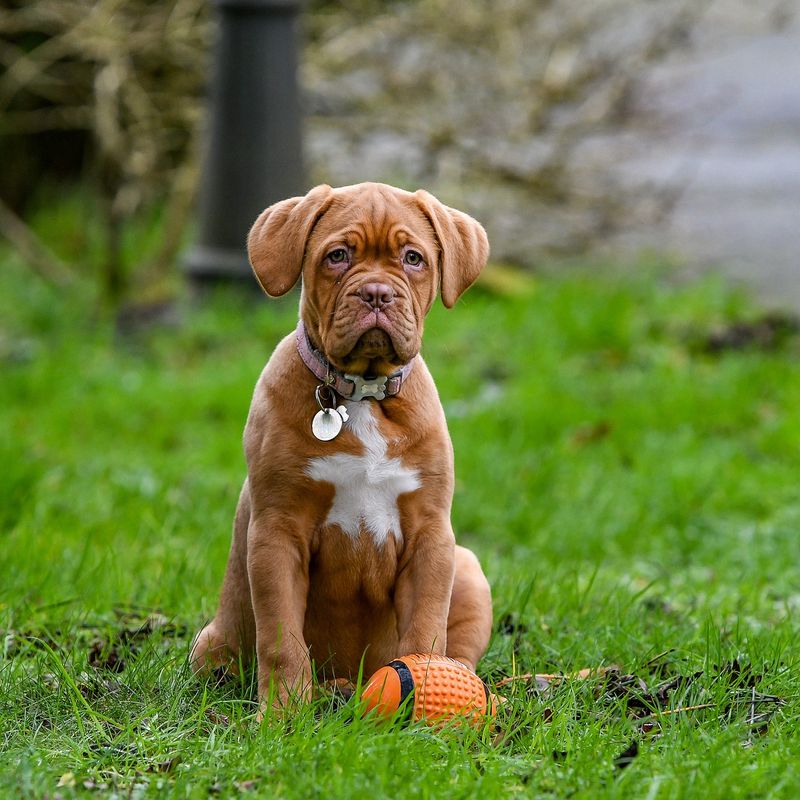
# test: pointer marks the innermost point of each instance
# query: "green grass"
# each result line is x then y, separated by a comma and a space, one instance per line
628, 493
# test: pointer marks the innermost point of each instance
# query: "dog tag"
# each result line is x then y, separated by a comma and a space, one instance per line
326, 424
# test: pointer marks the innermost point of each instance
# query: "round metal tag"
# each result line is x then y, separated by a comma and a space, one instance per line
326, 424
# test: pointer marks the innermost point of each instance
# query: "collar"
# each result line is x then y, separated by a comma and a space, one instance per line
351, 387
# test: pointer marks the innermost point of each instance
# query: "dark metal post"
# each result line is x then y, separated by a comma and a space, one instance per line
254, 153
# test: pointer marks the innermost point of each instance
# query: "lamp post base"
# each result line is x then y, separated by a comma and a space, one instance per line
205, 264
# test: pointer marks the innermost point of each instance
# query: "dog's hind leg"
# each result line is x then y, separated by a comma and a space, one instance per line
469, 621
229, 639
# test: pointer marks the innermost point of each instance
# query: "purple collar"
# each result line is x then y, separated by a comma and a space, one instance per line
350, 387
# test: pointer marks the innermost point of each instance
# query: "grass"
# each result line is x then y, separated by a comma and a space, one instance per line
635, 500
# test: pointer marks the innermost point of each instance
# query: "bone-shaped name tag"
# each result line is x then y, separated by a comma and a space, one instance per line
367, 387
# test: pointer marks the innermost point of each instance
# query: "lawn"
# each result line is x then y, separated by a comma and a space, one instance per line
628, 470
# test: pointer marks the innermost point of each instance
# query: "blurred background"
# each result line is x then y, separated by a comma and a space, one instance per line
572, 129
621, 387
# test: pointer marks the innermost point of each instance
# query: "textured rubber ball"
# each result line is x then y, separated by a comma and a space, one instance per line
439, 689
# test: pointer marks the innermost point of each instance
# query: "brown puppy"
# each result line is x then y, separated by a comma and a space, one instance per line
342, 548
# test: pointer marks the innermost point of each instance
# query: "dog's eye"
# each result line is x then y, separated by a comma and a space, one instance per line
412, 258
337, 256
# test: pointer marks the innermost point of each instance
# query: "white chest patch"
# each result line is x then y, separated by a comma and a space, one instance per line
367, 486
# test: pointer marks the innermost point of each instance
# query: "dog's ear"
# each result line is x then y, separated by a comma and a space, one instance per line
463, 246
276, 243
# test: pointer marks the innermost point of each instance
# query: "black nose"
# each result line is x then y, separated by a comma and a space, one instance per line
376, 295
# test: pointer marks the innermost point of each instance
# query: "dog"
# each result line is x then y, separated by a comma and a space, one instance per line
343, 555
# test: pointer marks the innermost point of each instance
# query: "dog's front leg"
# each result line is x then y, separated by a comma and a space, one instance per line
277, 564
424, 586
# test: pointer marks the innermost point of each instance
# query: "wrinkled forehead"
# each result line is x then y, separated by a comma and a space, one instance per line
373, 220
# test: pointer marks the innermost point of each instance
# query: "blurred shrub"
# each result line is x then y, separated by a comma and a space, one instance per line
500, 107
112, 87
496, 107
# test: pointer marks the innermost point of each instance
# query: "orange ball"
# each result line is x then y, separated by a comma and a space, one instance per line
442, 689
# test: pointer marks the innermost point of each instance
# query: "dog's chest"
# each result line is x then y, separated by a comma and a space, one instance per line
366, 486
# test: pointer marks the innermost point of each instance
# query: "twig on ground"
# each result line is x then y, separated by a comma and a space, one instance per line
681, 710
582, 674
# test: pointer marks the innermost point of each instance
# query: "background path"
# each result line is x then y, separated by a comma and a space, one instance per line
735, 139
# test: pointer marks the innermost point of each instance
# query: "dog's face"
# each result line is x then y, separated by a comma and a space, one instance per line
369, 279
372, 258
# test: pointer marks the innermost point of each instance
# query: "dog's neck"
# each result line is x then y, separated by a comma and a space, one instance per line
350, 387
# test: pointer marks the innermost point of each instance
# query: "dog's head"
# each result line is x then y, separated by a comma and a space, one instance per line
372, 259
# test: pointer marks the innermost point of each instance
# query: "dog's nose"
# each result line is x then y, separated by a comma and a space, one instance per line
376, 295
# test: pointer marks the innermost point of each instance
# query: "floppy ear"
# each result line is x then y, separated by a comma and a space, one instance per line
276, 243
463, 244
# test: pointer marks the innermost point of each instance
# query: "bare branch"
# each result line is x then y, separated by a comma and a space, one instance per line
40, 258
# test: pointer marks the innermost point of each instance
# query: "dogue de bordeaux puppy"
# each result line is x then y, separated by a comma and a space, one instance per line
343, 551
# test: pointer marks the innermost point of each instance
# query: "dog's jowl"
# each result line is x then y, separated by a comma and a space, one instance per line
343, 553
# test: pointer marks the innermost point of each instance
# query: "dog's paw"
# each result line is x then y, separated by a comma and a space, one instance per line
214, 654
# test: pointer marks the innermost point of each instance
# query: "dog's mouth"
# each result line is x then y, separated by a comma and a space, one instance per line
374, 344
373, 354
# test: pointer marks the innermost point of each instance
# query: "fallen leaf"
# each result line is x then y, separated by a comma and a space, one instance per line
67, 779
764, 333
216, 718
591, 432
105, 657
165, 766
626, 757
506, 279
